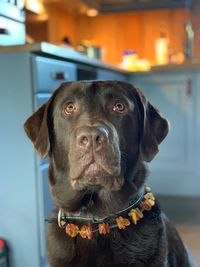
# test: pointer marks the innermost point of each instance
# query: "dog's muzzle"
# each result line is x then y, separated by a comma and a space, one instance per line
95, 158
92, 137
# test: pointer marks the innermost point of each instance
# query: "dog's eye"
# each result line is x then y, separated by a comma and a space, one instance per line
69, 109
119, 107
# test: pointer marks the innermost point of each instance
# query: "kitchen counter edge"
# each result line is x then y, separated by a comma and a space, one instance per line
44, 48
51, 50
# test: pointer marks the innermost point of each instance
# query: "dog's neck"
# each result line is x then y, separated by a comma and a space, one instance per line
86, 226
82, 215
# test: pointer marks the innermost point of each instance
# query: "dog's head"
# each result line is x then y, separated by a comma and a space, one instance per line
96, 135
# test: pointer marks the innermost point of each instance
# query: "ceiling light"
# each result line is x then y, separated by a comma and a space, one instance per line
92, 12
35, 6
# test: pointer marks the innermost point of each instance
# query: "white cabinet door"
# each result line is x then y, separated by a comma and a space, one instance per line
172, 170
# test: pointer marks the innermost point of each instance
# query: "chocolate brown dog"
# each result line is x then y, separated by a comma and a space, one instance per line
98, 134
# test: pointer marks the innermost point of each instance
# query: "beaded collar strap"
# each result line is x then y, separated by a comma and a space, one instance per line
144, 201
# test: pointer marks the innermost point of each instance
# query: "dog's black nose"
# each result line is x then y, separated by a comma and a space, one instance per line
94, 137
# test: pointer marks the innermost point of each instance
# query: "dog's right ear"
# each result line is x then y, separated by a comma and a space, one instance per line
36, 127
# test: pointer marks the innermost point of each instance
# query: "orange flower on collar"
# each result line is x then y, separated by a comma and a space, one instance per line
149, 202
150, 199
122, 222
104, 228
72, 229
86, 232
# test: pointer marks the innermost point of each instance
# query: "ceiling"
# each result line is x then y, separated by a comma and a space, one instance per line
104, 6
128, 5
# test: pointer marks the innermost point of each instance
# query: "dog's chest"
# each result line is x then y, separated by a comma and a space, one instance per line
117, 249
134, 246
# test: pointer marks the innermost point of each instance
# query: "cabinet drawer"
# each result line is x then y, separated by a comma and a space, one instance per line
50, 73
11, 32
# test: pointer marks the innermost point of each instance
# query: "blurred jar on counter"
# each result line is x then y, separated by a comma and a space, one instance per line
129, 57
132, 62
90, 49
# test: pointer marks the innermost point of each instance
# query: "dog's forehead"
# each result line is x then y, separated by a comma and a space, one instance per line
83, 89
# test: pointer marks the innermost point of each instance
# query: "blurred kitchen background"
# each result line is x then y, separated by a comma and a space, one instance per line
155, 44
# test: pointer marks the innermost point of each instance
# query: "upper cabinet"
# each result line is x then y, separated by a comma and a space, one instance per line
13, 9
12, 18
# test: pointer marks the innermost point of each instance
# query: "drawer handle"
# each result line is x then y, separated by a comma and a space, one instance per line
188, 87
60, 76
4, 31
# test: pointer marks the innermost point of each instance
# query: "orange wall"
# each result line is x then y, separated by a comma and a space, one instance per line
60, 23
133, 30
116, 32
37, 31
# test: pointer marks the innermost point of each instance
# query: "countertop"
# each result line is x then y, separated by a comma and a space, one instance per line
51, 50
44, 48
187, 65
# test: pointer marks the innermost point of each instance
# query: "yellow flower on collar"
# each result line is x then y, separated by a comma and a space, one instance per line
135, 215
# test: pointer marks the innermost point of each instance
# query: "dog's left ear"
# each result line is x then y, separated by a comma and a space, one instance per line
155, 128
37, 129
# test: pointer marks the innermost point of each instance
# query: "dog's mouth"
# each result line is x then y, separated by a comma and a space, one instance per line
96, 175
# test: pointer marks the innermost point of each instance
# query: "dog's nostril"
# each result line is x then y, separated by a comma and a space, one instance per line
99, 140
83, 140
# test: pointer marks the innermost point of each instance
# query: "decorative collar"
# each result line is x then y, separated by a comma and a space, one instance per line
144, 201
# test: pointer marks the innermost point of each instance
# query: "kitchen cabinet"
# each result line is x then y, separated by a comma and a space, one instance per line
49, 73
27, 81
103, 74
174, 169
18, 182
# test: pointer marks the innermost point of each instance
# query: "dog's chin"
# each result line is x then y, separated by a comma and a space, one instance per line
96, 177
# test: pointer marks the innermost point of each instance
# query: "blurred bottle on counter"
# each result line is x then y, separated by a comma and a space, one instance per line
161, 47
189, 41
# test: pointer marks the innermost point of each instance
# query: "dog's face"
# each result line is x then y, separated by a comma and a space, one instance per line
91, 125
96, 134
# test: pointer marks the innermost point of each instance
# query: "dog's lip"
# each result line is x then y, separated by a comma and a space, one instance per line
116, 184
96, 173
74, 183
97, 165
